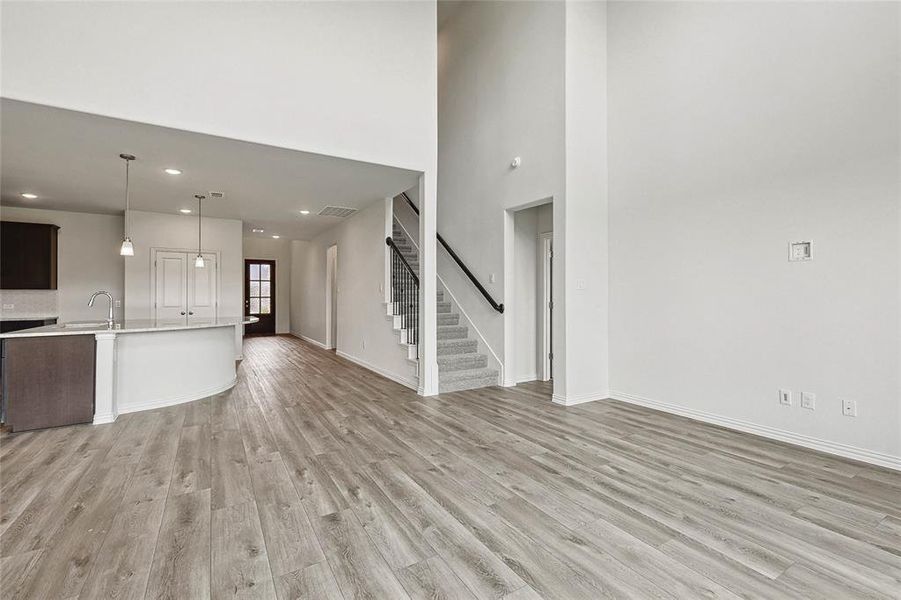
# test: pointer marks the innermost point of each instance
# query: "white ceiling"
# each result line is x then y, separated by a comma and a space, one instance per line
71, 161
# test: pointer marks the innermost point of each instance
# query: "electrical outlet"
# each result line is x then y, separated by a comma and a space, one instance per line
364, 344
9, 307
849, 408
118, 304
785, 397
808, 400
800, 251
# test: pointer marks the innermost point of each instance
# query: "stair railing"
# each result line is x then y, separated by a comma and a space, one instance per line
404, 294
498, 307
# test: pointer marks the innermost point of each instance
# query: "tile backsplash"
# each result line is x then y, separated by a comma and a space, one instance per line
29, 303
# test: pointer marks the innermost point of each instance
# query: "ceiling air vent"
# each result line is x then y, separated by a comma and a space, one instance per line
337, 211
217, 195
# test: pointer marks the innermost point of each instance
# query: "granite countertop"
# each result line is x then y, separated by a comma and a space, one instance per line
129, 326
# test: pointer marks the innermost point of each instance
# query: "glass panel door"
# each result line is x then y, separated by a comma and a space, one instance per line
259, 295
260, 289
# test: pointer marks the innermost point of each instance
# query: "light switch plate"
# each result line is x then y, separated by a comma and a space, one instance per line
785, 397
800, 251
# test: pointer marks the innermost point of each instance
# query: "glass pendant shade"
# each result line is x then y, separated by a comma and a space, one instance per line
198, 262
127, 249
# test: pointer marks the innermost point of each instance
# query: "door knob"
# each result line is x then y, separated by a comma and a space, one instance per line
190, 312
182, 312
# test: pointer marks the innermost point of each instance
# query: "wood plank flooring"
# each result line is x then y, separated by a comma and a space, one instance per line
315, 478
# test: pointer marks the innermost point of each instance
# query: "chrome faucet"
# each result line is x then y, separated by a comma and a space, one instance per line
109, 320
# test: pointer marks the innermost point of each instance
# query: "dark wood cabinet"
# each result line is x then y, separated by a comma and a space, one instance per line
28, 256
48, 381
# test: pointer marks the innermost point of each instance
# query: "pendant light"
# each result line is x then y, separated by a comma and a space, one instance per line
198, 262
127, 249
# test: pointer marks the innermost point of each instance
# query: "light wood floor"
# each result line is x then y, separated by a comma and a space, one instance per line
314, 478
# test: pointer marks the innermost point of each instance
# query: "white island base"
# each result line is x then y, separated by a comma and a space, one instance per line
144, 364
141, 371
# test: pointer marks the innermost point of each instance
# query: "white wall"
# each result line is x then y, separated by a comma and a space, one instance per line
280, 252
300, 257
176, 232
581, 371
349, 79
361, 297
734, 129
500, 96
88, 255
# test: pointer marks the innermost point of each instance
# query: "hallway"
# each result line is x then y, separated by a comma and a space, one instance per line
315, 478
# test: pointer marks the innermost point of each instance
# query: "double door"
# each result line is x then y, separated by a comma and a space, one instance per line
183, 290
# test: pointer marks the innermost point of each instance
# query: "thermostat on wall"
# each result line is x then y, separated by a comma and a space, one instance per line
798, 251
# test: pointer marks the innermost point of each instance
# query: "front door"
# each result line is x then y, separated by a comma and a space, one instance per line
259, 295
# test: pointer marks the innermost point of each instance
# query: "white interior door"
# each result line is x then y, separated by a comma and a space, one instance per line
546, 305
202, 287
331, 297
171, 280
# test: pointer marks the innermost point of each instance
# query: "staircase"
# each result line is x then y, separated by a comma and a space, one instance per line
460, 365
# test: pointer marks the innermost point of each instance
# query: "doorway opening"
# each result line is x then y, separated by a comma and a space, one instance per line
259, 296
331, 297
529, 238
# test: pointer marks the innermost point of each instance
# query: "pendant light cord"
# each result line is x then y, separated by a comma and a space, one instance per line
199, 224
126, 197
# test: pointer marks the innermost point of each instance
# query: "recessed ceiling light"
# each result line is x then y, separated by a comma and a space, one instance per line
257, 230
29, 195
275, 237
185, 211
304, 212
173, 171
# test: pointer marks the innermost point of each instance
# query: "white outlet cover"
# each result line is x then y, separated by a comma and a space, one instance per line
808, 400
800, 251
849, 408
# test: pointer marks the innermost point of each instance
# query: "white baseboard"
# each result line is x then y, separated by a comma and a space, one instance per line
311, 340
573, 399
525, 378
172, 401
781, 435
405, 381
104, 419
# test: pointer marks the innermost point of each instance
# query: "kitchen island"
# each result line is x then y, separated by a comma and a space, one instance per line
144, 364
